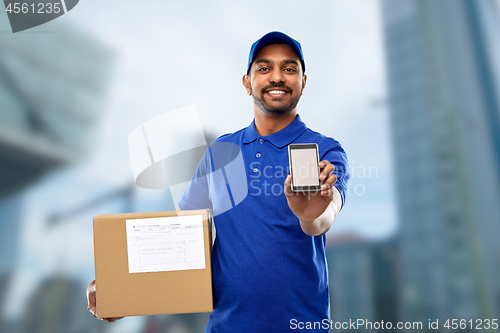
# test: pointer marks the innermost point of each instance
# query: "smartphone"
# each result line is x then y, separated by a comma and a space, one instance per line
304, 167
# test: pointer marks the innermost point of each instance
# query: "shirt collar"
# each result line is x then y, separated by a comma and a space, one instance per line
279, 139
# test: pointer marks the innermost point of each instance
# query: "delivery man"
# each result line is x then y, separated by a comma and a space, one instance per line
269, 266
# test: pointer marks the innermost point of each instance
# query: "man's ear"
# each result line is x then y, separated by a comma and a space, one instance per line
246, 84
304, 79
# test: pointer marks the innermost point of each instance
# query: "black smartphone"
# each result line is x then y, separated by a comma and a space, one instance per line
304, 167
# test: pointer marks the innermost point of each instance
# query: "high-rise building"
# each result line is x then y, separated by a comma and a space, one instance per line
363, 279
52, 91
351, 290
443, 66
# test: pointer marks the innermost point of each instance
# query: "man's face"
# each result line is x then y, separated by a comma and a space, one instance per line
276, 79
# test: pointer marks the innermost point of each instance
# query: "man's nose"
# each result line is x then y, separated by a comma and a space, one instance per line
277, 76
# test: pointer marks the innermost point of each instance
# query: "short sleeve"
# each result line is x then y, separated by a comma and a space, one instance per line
196, 195
337, 156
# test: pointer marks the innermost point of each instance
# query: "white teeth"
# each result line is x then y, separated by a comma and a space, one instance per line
274, 92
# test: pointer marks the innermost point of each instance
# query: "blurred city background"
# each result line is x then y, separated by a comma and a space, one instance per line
409, 87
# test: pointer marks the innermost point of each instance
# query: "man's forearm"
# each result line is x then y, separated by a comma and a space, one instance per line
325, 221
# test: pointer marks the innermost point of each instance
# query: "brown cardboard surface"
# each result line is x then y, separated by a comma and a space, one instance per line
120, 293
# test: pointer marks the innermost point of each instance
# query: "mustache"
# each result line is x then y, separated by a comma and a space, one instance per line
282, 86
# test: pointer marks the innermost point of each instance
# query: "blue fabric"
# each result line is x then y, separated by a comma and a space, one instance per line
266, 270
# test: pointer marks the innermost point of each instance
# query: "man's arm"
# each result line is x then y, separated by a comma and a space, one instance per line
324, 222
316, 211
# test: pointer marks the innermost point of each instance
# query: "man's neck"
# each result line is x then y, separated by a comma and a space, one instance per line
267, 124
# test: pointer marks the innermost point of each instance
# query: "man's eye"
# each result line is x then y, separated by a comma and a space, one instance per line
263, 69
290, 70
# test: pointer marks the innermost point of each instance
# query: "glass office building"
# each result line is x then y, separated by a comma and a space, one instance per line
442, 75
363, 279
53, 86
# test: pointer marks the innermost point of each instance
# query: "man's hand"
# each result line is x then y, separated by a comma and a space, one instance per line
91, 300
316, 210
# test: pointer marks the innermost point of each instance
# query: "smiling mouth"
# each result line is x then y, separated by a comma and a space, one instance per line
275, 92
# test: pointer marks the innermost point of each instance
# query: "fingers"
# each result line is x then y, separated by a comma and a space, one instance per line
91, 298
326, 169
328, 185
110, 320
327, 178
92, 301
288, 186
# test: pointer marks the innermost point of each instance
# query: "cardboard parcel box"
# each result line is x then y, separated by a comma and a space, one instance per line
153, 263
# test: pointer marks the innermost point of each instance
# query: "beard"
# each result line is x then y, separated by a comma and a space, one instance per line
265, 106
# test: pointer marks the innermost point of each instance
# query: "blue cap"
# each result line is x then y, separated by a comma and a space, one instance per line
275, 37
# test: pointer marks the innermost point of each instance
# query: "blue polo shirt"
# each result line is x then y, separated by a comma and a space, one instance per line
267, 273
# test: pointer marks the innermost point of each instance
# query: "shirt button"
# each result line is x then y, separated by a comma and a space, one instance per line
257, 155
255, 170
261, 140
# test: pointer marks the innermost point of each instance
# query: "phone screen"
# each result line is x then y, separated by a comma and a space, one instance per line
304, 166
